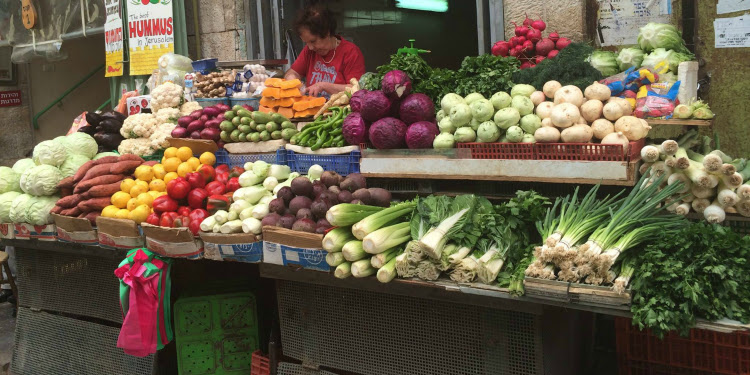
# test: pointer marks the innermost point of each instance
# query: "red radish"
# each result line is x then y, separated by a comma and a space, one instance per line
562, 43
515, 51
513, 42
544, 47
539, 59
521, 40
526, 65
520, 30
539, 25
528, 46
534, 35
554, 36
501, 48
527, 21
552, 53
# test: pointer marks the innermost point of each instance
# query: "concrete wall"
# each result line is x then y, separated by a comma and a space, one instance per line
567, 17
221, 28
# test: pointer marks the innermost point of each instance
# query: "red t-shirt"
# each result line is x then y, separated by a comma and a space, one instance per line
347, 63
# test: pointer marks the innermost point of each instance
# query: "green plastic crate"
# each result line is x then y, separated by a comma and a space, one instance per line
216, 334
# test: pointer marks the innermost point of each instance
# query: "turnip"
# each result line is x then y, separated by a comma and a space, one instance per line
632, 128
617, 139
592, 110
627, 108
577, 134
569, 94
597, 91
547, 134
564, 115
537, 97
547, 122
544, 109
612, 111
602, 128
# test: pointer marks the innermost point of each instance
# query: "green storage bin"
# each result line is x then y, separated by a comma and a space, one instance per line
216, 334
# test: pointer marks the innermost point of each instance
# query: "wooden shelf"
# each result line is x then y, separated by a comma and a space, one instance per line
679, 122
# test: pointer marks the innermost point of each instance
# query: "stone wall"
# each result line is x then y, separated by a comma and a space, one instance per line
567, 17
16, 137
222, 29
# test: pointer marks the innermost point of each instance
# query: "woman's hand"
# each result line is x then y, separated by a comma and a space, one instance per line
317, 89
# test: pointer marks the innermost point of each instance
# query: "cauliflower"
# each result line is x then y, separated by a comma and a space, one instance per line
189, 107
166, 95
137, 146
166, 115
140, 125
159, 138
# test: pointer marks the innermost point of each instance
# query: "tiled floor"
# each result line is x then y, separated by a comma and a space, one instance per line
7, 333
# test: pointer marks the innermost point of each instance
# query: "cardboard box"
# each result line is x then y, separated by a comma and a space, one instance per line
238, 247
198, 146
25, 231
73, 229
172, 242
7, 231
291, 248
119, 233
137, 104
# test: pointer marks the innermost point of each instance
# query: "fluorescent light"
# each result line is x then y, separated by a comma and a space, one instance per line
426, 5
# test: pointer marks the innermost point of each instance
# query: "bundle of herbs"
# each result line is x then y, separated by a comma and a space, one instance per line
570, 67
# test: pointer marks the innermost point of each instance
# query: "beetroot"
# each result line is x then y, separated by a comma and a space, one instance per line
299, 203
421, 134
357, 99
376, 106
286, 194
544, 47
301, 186
388, 133
286, 221
396, 84
271, 220
304, 225
277, 206
345, 196
354, 129
318, 188
319, 208
416, 107
323, 223
304, 213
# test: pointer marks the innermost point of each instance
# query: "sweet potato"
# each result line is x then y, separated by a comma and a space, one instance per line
66, 182
91, 217
64, 192
125, 157
98, 171
83, 169
103, 190
75, 211
150, 163
123, 167
56, 209
94, 204
69, 201
84, 186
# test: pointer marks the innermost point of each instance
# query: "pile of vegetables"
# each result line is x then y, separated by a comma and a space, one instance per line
528, 44
105, 128
570, 67
214, 84
392, 117
712, 183
240, 124
325, 131
203, 123
695, 110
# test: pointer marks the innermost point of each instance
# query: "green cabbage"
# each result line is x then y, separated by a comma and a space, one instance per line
661, 35
488, 132
671, 57
443, 140
630, 57
465, 134
482, 110
500, 100
49, 153
605, 62
105, 154
507, 117
19, 208
81, 143
9, 180
38, 211
514, 134
72, 163
6, 200
23, 165
41, 180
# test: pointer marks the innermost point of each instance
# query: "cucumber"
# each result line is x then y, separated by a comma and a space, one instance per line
245, 120
229, 115
272, 126
288, 125
287, 134
245, 129
253, 124
277, 118
244, 113
260, 117
254, 137
276, 134
236, 121
260, 127
265, 135
224, 136
226, 126
243, 137
237, 108
235, 135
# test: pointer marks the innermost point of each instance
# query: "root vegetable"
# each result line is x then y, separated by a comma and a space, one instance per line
565, 115
544, 109
632, 127
612, 111
617, 139
547, 134
577, 134
597, 91
592, 110
602, 128
550, 88
537, 97
627, 109
547, 122
569, 94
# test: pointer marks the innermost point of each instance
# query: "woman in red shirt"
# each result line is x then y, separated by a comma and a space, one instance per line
327, 62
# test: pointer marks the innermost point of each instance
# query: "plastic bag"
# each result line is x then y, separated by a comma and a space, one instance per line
175, 64
656, 102
78, 123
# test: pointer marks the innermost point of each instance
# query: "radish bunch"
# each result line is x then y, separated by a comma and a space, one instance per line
529, 46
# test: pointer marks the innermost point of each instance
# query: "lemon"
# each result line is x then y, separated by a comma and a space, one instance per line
157, 185
159, 171
110, 211
184, 153
120, 199
122, 214
144, 173
208, 158
184, 169
170, 176
171, 164
127, 184
140, 213
132, 204
155, 194
138, 189
145, 199
194, 163
170, 152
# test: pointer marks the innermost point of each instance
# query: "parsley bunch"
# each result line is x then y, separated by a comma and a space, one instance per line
701, 271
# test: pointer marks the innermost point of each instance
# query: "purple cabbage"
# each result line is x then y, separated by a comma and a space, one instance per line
354, 129
357, 100
376, 106
396, 84
388, 133
421, 134
416, 107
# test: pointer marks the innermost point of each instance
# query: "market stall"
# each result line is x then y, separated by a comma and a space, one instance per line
357, 239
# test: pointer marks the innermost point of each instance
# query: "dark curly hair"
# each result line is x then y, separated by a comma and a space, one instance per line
318, 19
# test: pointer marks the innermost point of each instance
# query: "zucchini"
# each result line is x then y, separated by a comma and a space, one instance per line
229, 115
288, 125
237, 108
243, 137
245, 120
265, 135
276, 134
236, 121
235, 135
226, 126
245, 129
272, 126
260, 117
260, 127
244, 113
277, 118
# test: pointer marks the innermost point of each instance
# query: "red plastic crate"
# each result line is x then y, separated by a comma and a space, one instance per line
701, 352
516, 151
260, 364
587, 151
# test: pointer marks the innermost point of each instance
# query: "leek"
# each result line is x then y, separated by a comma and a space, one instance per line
362, 268
626, 273
682, 161
343, 270
383, 239
353, 251
388, 271
445, 261
403, 267
700, 204
459, 255
680, 177
743, 208
733, 181
682, 209
743, 192
380, 260
714, 213
699, 176
380, 219
426, 270
335, 240
650, 153
728, 169
344, 214
335, 259
726, 197
649, 229
432, 243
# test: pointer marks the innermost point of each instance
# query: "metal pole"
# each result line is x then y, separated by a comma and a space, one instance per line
480, 27
67, 36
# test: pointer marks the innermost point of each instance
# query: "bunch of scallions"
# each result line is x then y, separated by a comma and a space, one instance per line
586, 237
713, 183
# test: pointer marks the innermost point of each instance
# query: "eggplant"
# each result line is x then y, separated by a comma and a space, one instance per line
114, 114
88, 129
93, 118
109, 140
110, 125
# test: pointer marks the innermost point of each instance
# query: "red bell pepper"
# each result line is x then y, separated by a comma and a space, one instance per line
164, 204
221, 168
208, 172
233, 184
215, 188
197, 198
196, 218
181, 222
153, 219
236, 171
222, 177
167, 219
217, 202
178, 188
196, 180
195, 227
183, 211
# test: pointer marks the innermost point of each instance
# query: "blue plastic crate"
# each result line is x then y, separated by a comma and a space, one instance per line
239, 160
207, 102
205, 66
341, 164
253, 102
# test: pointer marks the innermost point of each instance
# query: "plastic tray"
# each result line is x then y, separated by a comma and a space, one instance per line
207, 102
239, 160
516, 151
587, 151
260, 365
702, 350
341, 164
253, 102
205, 66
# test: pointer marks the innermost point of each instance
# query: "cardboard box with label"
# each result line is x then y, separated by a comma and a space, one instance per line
172, 242
25, 231
7, 231
242, 247
118, 233
73, 229
137, 104
292, 248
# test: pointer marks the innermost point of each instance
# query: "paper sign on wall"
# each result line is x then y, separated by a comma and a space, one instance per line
619, 21
732, 32
113, 43
729, 6
150, 33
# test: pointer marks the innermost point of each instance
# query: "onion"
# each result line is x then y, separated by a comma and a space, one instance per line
617, 139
